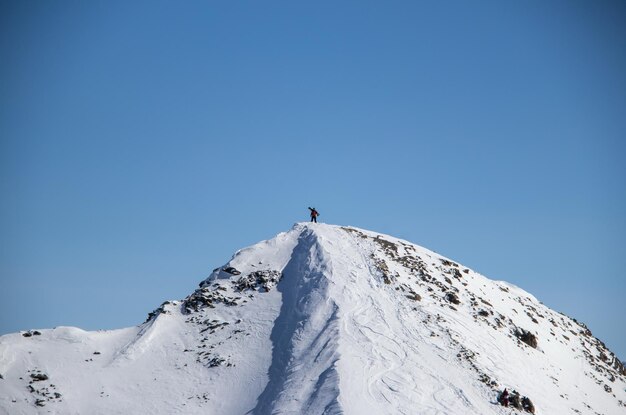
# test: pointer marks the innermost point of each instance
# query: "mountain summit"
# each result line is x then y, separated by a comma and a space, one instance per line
324, 319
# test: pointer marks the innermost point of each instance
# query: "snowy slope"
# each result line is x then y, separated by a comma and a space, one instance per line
323, 319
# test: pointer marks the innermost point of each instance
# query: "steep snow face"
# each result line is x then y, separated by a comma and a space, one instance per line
323, 320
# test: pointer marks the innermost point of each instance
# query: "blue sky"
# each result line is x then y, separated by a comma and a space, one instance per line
142, 143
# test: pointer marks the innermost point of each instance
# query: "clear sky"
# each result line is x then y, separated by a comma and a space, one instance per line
142, 143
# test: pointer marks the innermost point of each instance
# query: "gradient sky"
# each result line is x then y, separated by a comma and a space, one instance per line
142, 143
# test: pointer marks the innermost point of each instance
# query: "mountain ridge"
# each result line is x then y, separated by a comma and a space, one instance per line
325, 319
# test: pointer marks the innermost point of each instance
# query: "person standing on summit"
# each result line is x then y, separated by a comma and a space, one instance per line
314, 214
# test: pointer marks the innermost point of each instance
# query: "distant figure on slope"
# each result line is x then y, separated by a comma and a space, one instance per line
504, 398
314, 214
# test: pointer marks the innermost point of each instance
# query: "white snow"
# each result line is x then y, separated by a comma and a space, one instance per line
360, 323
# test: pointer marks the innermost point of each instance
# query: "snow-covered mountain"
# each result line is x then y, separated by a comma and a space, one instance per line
323, 320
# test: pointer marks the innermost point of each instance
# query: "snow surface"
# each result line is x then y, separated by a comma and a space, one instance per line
360, 323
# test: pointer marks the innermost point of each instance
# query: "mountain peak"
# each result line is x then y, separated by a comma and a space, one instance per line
328, 319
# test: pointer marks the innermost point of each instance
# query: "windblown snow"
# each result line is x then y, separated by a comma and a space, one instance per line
323, 319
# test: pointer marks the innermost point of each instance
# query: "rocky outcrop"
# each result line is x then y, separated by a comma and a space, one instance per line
158, 311
231, 271
517, 401
41, 389
526, 337
258, 280
38, 377
453, 298
208, 297
527, 405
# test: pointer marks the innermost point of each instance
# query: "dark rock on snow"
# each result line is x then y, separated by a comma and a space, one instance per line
528, 405
453, 298
37, 377
527, 337
414, 296
258, 279
157, 312
207, 297
515, 400
231, 270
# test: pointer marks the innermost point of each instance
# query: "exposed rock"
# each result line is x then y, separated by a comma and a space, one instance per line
528, 405
487, 380
619, 366
527, 337
388, 247
27, 334
206, 297
585, 329
216, 361
265, 280
354, 231
231, 270
453, 298
456, 274
414, 296
214, 324
37, 377
40, 402
515, 400
158, 311
448, 263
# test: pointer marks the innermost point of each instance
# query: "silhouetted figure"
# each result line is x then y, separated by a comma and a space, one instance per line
504, 398
314, 214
